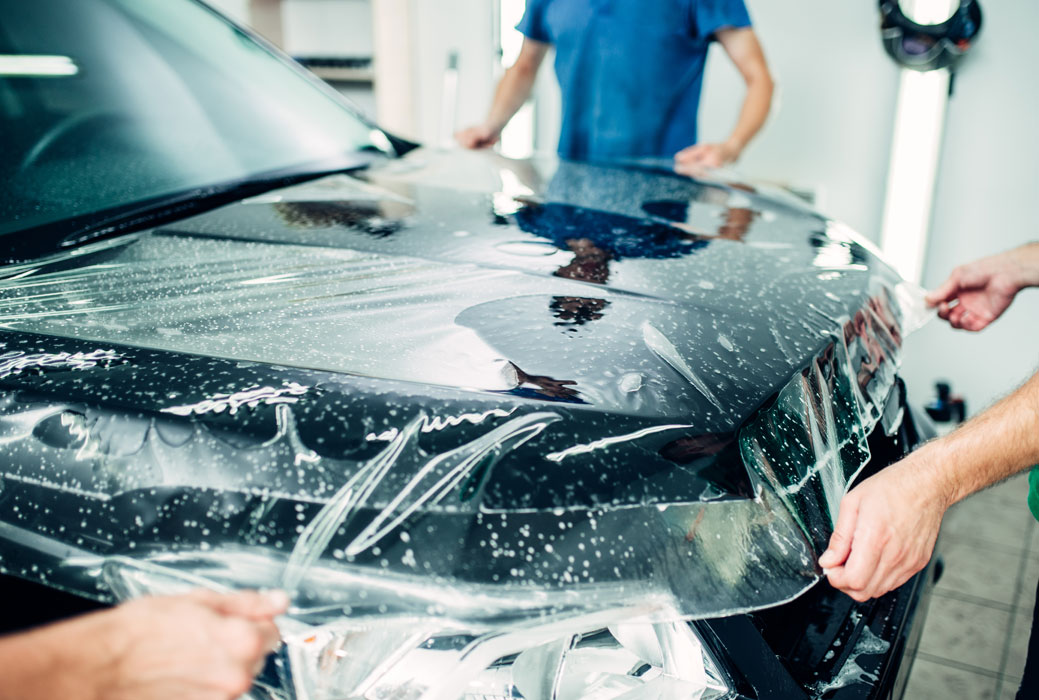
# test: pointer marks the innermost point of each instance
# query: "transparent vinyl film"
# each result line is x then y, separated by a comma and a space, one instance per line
398, 659
448, 578
613, 652
488, 464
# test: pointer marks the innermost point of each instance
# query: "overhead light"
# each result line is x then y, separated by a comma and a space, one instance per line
930, 11
36, 66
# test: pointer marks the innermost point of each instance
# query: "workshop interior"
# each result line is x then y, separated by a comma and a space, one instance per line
533, 349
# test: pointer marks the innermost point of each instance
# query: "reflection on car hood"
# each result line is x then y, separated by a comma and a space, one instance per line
545, 385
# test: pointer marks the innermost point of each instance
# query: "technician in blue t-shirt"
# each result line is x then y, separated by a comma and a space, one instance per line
631, 73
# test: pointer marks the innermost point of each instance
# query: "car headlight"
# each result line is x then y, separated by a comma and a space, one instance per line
572, 659
604, 652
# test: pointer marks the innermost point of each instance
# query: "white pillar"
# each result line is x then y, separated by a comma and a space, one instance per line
394, 67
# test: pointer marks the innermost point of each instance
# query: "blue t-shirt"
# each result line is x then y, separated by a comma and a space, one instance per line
630, 70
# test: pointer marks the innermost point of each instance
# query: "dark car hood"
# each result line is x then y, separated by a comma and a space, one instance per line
544, 384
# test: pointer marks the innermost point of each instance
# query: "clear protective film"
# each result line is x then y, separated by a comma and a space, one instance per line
501, 423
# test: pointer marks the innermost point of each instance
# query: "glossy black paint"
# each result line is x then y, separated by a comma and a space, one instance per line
784, 652
734, 283
750, 287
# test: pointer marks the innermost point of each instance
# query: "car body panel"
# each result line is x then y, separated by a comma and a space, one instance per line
330, 370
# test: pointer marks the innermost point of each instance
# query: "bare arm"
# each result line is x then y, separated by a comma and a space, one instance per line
978, 293
887, 525
199, 646
744, 50
513, 91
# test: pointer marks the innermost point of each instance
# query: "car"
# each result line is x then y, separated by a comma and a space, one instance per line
502, 428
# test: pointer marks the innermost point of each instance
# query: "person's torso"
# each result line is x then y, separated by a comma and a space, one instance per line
631, 73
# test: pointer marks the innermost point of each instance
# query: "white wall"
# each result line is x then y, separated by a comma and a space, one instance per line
439, 28
315, 28
832, 119
414, 39
327, 27
985, 202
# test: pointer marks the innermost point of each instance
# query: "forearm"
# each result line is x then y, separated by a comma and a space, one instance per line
1028, 259
754, 112
992, 446
513, 91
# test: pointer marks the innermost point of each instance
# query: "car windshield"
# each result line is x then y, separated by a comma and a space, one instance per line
109, 103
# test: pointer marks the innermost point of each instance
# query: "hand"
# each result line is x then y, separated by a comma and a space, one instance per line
886, 529
978, 293
199, 646
696, 159
476, 137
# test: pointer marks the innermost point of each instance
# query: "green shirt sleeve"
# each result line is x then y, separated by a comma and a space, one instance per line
1033, 492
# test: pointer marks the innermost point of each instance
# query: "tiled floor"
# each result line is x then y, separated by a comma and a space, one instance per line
977, 629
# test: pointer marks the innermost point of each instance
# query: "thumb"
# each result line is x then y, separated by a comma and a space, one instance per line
946, 291
840, 541
689, 153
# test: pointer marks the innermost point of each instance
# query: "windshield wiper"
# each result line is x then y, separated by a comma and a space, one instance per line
69, 233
